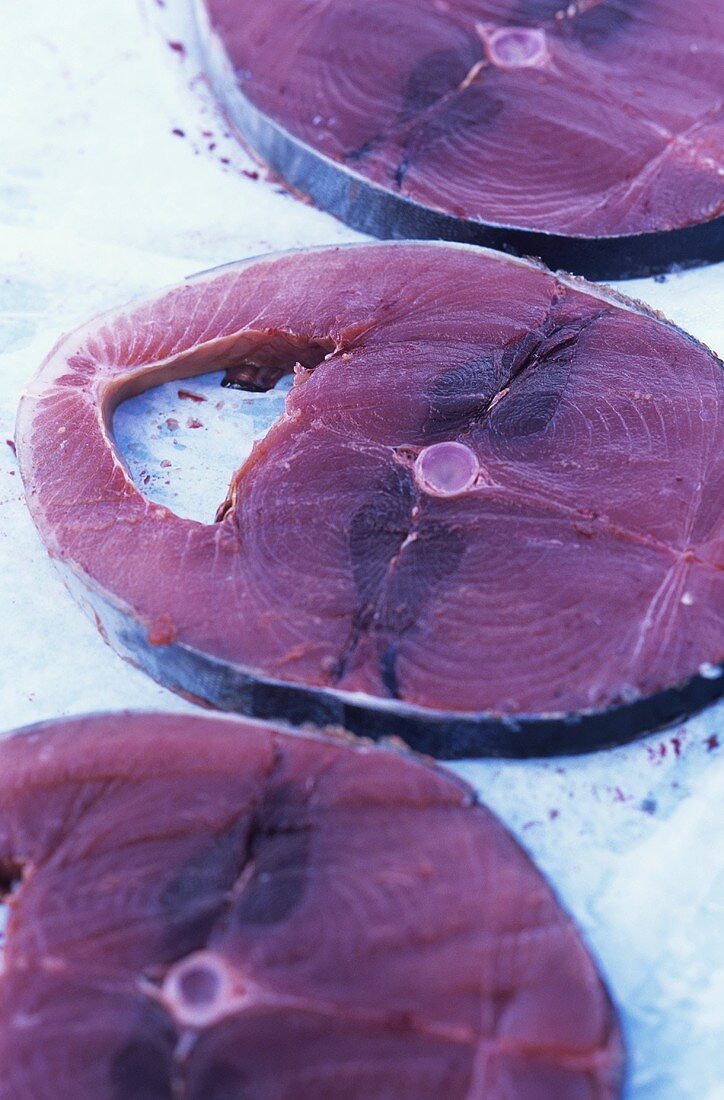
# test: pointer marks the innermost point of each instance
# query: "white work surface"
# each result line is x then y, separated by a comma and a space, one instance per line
100, 200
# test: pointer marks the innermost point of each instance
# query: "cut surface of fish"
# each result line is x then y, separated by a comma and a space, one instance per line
491, 508
215, 910
590, 135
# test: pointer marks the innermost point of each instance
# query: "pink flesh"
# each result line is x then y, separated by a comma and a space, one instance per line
530, 113
369, 924
556, 584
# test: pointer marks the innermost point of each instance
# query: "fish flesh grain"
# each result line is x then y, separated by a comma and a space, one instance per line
491, 509
590, 135
205, 908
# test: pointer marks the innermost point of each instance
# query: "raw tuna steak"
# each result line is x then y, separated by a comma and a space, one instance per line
492, 507
590, 134
213, 910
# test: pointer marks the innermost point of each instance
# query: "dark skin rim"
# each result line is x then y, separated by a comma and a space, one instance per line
446, 736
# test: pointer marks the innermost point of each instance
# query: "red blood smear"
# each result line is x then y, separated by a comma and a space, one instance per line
163, 631
189, 395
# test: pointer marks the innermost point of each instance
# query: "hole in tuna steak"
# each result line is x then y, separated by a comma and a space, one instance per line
11, 875
184, 438
182, 452
253, 378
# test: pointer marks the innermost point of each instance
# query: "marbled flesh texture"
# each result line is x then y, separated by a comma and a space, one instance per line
580, 571
597, 119
214, 910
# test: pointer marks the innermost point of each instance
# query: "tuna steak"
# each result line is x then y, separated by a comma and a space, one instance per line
491, 509
214, 910
590, 134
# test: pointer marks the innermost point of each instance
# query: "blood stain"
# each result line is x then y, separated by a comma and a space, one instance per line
163, 631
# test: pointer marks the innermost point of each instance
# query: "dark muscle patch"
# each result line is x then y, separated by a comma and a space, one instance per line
143, 1068
594, 26
436, 75
199, 894
397, 562
468, 110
